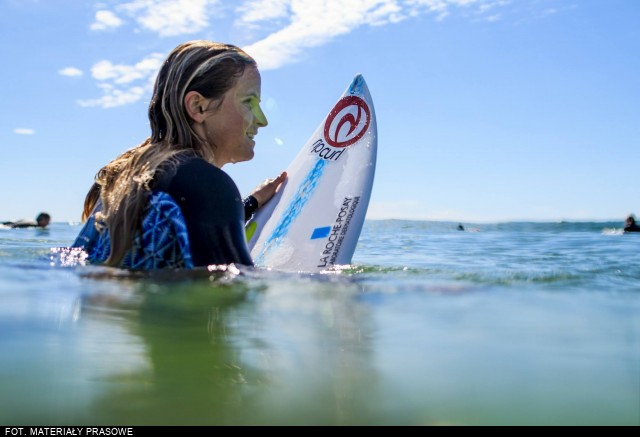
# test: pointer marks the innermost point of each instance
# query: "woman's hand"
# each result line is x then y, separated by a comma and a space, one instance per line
268, 188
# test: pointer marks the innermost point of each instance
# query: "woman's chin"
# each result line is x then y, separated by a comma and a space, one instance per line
247, 156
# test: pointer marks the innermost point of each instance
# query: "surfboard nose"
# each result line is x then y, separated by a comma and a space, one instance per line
357, 84
359, 88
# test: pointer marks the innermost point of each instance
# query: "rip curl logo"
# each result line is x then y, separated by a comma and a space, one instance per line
347, 122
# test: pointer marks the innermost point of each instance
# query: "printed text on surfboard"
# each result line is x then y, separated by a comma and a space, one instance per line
338, 231
324, 152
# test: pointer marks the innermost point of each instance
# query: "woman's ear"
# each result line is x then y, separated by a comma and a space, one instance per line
195, 104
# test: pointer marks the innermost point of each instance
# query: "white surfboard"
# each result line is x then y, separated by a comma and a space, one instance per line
314, 221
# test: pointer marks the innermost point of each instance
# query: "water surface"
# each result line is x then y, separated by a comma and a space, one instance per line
517, 323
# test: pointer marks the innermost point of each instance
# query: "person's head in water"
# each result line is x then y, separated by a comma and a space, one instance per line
207, 98
43, 220
631, 221
206, 102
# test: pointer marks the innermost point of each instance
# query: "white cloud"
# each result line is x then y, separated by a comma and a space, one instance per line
311, 23
24, 131
255, 11
70, 72
170, 17
278, 141
106, 20
114, 97
290, 27
121, 74
124, 84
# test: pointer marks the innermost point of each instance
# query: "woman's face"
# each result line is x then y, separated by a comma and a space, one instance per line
231, 128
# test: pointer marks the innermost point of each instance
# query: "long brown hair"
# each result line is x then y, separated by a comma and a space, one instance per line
123, 185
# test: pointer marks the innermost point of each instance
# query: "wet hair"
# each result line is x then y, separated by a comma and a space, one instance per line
209, 68
123, 185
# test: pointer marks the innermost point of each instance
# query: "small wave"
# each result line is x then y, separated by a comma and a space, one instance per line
612, 231
354, 269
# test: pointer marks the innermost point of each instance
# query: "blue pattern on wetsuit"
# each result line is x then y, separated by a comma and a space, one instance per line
163, 243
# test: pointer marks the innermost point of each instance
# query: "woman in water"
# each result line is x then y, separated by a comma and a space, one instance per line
166, 203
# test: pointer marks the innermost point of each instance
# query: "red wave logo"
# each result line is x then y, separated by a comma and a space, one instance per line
347, 122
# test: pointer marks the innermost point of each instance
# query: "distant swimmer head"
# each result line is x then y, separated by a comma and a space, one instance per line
43, 219
630, 224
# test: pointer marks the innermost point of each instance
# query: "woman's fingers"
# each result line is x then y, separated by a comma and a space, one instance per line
268, 188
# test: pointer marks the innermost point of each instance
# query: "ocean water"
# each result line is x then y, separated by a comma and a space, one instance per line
508, 324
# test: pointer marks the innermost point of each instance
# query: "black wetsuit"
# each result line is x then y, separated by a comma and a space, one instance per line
213, 211
17, 225
632, 228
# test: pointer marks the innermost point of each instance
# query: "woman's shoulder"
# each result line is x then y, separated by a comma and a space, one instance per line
195, 178
189, 171
199, 169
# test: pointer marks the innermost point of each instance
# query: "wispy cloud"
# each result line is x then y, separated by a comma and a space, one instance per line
255, 11
121, 74
164, 17
113, 96
24, 131
312, 23
124, 84
282, 30
106, 20
71, 72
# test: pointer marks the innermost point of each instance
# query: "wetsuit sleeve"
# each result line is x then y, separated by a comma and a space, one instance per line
250, 206
213, 211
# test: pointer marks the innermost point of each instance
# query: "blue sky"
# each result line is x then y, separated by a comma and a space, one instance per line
487, 110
